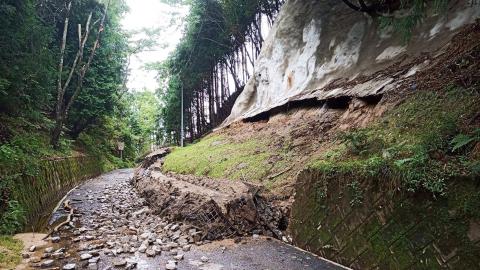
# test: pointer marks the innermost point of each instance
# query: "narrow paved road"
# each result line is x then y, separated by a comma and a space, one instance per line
112, 228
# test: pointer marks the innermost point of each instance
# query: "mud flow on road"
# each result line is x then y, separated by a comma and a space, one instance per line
113, 228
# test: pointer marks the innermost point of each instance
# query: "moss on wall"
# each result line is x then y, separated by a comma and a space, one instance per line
38, 189
397, 195
389, 229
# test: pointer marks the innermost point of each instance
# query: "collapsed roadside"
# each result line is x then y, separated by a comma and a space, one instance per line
218, 208
335, 159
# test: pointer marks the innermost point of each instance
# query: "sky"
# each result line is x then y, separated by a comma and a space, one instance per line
151, 14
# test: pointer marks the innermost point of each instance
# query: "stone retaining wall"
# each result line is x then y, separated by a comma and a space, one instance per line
374, 226
39, 192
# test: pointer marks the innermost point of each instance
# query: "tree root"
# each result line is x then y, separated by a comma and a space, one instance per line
66, 206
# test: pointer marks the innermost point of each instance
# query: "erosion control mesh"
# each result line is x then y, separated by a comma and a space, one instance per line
218, 208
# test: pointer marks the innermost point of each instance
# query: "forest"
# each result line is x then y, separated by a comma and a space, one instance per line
348, 130
212, 63
64, 72
63, 83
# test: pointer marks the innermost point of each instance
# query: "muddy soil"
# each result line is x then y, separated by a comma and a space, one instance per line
113, 228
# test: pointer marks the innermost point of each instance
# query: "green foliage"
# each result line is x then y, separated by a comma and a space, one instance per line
474, 168
26, 61
356, 141
217, 157
13, 218
144, 110
356, 193
106, 73
462, 140
10, 252
412, 145
101, 141
214, 30
25, 149
414, 12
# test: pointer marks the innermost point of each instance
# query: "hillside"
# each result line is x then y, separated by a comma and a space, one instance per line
350, 145
240, 134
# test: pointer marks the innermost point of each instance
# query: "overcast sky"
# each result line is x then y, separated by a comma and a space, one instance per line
152, 14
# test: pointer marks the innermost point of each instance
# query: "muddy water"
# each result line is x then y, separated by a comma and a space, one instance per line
109, 214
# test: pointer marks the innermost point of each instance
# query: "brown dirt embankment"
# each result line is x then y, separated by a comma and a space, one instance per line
218, 208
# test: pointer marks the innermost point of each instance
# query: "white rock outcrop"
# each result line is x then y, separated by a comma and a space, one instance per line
315, 43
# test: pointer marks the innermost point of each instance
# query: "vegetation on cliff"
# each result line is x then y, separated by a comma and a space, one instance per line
405, 185
419, 145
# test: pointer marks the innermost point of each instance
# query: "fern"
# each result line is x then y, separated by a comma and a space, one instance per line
462, 140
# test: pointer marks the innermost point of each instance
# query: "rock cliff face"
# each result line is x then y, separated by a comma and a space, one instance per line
321, 50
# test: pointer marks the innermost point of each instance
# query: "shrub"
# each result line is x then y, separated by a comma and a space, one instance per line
13, 218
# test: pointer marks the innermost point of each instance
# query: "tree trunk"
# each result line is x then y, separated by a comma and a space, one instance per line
63, 106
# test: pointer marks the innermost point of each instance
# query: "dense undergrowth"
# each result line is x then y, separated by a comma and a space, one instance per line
420, 145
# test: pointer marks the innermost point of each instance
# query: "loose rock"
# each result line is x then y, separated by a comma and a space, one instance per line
55, 239
171, 266
69, 266
119, 262
85, 256
47, 263
179, 257
151, 253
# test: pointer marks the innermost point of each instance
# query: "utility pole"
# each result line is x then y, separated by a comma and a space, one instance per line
181, 122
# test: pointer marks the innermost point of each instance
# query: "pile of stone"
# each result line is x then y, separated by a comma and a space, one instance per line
115, 226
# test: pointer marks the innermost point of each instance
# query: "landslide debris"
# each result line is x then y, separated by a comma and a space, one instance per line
218, 208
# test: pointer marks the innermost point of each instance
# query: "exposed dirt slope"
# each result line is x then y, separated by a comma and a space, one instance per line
273, 147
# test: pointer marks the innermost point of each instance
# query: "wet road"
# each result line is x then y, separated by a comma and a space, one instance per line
110, 224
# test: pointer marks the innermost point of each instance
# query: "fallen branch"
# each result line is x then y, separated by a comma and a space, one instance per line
66, 206
280, 173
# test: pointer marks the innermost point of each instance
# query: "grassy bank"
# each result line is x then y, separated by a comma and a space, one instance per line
10, 252
419, 145
218, 156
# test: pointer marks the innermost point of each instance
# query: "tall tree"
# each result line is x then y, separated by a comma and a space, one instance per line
79, 66
222, 39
